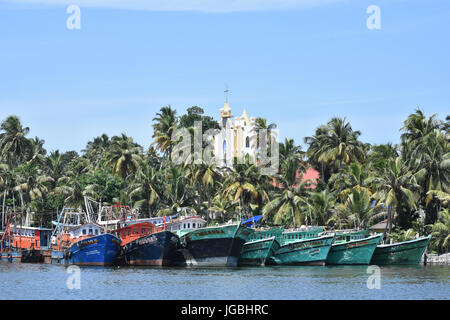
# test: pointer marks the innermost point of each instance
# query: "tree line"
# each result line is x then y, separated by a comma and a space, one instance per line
359, 183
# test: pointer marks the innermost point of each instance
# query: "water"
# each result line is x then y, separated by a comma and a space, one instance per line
43, 281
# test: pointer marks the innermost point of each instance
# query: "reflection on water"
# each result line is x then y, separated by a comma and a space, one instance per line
34, 281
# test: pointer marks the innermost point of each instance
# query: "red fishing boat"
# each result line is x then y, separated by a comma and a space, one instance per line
23, 244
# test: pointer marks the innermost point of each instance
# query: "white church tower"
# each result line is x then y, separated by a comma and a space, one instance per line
236, 138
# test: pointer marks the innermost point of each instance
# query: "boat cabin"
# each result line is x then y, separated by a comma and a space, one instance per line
135, 231
185, 223
345, 236
85, 231
30, 237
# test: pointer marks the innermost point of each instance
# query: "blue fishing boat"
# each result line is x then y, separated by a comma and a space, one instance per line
92, 248
155, 249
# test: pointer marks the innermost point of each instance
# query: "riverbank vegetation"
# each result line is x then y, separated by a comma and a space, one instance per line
360, 184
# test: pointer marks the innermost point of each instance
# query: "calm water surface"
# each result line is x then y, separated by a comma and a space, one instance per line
34, 281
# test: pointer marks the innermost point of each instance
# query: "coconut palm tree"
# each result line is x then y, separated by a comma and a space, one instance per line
396, 188
166, 123
378, 155
224, 206
417, 126
124, 156
177, 191
360, 209
341, 144
97, 149
13, 142
72, 186
241, 184
440, 239
288, 205
55, 166
288, 150
32, 183
147, 183
352, 177
432, 160
36, 151
323, 208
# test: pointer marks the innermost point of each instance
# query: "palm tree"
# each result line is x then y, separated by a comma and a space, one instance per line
36, 151
379, 155
360, 209
323, 208
352, 177
147, 183
333, 145
177, 192
432, 159
241, 184
288, 205
341, 144
32, 183
395, 188
166, 123
417, 126
124, 156
13, 142
289, 152
73, 185
97, 149
224, 206
55, 166
441, 232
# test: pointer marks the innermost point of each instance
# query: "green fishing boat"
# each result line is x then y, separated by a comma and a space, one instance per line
353, 248
312, 251
407, 252
258, 252
261, 246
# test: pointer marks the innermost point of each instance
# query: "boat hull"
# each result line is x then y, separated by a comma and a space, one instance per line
408, 252
32, 256
259, 252
214, 246
353, 252
101, 250
157, 249
312, 252
11, 256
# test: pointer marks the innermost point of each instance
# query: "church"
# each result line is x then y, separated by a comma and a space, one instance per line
236, 138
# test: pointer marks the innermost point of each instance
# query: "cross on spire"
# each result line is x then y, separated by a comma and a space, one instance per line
226, 93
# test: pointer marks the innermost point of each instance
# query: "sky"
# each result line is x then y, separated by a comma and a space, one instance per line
297, 63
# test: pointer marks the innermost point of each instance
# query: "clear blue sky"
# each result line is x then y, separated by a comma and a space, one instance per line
295, 62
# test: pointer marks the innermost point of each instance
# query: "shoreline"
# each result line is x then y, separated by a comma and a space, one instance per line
443, 259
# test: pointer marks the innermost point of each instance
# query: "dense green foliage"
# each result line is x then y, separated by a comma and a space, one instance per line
360, 184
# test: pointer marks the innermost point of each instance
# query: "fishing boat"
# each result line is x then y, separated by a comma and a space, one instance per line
261, 245
407, 252
216, 246
146, 244
353, 247
258, 252
312, 252
80, 241
23, 243
91, 247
